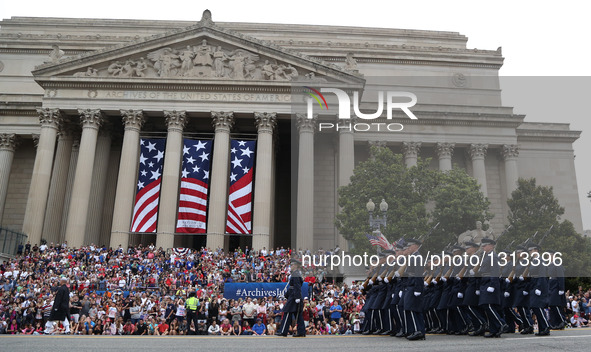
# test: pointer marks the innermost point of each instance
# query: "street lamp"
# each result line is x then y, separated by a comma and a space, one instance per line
379, 220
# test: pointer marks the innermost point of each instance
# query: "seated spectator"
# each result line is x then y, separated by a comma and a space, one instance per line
163, 328
271, 328
225, 328
214, 328
259, 328
236, 328
246, 329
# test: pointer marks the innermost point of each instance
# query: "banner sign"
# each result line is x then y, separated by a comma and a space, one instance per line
258, 290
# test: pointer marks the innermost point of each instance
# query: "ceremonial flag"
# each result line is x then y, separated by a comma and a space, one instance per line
192, 214
379, 240
145, 210
239, 220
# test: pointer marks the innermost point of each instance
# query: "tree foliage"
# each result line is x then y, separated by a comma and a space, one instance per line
534, 208
418, 197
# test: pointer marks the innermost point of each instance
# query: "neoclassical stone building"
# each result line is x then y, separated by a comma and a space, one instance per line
76, 96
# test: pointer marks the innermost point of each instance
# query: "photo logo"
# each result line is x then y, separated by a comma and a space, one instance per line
318, 94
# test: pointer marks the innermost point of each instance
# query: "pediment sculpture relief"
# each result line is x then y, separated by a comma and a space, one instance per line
202, 61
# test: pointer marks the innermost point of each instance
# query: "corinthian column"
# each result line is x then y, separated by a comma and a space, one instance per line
57, 190
91, 120
218, 208
169, 192
477, 154
411, 153
99, 183
510, 153
7, 145
261, 229
122, 211
444, 152
346, 162
305, 197
50, 120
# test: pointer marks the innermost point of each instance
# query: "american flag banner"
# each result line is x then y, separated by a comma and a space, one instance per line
239, 220
145, 210
192, 214
380, 240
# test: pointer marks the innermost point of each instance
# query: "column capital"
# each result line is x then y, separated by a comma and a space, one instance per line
8, 141
305, 124
91, 118
222, 121
346, 125
133, 119
510, 151
175, 120
51, 118
444, 150
265, 121
477, 151
35, 137
411, 149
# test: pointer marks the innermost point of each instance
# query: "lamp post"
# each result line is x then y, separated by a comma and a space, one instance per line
379, 220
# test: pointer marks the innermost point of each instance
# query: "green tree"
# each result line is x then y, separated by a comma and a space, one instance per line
459, 203
454, 200
534, 208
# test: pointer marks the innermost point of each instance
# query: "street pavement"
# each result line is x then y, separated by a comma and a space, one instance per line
570, 339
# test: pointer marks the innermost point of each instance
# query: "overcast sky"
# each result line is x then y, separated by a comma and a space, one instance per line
539, 38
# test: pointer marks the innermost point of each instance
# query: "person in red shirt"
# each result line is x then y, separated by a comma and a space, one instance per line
163, 327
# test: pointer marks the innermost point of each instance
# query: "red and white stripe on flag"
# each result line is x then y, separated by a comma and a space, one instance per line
192, 216
239, 220
145, 210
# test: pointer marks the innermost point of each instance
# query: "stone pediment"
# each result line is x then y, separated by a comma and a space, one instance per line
203, 52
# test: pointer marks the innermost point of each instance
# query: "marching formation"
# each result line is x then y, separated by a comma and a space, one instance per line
501, 293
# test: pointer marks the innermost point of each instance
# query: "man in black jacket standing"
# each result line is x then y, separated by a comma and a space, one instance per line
293, 307
61, 304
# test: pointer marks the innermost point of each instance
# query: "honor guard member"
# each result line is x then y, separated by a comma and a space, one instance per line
370, 295
443, 303
192, 306
457, 318
538, 290
507, 300
472, 292
556, 297
293, 308
378, 297
413, 304
490, 288
397, 304
521, 285
385, 312
432, 299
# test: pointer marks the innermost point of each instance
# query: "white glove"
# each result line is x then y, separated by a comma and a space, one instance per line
521, 278
400, 294
379, 278
434, 282
297, 300
506, 294
525, 293
472, 272
507, 280
477, 292
561, 292
443, 279
460, 295
370, 282
490, 289
396, 273
458, 278
417, 294
425, 283
386, 280
393, 295
537, 292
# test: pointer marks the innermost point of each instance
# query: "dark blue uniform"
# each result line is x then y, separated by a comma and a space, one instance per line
556, 297
490, 292
538, 293
413, 303
293, 309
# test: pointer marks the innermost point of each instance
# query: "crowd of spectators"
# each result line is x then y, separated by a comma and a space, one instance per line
142, 291
579, 308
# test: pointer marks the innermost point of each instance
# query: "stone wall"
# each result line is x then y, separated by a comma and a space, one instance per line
18, 186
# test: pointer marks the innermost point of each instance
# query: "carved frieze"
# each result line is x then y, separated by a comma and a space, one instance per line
205, 60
